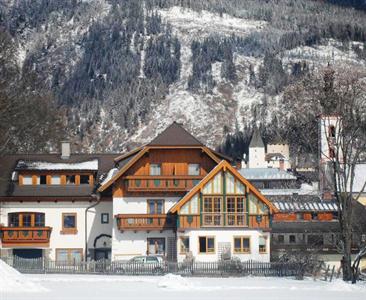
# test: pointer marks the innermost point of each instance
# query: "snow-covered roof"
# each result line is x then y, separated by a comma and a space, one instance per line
105, 178
91, 165
266, 174
285, 191
301, 203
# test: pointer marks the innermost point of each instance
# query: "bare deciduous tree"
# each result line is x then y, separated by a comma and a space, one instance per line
340, 93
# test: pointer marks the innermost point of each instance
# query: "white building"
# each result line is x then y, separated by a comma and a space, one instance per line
276, 156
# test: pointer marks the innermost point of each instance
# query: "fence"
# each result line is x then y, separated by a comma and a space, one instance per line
214, 269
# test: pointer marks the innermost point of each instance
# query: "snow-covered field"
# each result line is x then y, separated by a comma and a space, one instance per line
92, 287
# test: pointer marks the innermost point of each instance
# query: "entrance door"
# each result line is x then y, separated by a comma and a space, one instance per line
102, 254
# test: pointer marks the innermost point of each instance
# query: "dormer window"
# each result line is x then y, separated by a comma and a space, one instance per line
56, 179
42, 179
84, 179
27, 180
155, 169
70, 179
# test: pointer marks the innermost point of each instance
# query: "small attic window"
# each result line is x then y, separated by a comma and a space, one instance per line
42, 179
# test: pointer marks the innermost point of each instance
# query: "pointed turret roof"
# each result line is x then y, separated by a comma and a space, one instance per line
175, 135
256, 141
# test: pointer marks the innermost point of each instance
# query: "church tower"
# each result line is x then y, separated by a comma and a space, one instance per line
257, 151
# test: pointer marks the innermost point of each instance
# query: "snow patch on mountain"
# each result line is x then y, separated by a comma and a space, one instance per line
330, 51
206, 114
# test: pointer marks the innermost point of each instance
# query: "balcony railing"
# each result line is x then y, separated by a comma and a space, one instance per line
145, 222
161, 183
224, 219
25, 236
234, 220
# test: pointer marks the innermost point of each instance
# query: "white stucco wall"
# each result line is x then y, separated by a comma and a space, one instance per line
138, 205
257, 157
53, 218
279, 148
128, 244
225, 236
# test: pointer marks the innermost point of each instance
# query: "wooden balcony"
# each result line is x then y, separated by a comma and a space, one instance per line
145, 222
224, 219
161, 183
25, 236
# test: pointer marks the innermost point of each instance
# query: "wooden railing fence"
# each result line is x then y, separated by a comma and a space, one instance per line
214, 269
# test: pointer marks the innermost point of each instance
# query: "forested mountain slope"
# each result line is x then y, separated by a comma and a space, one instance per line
121, 69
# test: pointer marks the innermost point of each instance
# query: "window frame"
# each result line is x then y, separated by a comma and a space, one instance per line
207, 237
85, 176
292, 239
194, 164
181, 251
69, 251
155, 206
27, 180
53, 177
70, 183
102, 220
150, 169
71, 230
282, 237
265, 244
242, 251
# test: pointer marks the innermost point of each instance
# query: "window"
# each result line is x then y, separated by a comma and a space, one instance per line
39, 220
42, 179
69, 223
13, 220
70, 179
184, 244
27, 220
69, 255
314, 216
194, 169
155, 169
206, 244
315, 240
105, 218
212, 207
155, 207
84, 179
27, 180
281, 239
235, 211
292, 239
332, 131
256, 206
300, 216
156, 246
241, 244
262, 244
55, 179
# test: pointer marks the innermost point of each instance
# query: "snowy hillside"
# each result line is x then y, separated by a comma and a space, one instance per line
121, 70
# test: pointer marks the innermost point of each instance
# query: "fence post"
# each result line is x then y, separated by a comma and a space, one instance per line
332, 274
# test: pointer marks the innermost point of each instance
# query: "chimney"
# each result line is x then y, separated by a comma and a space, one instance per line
65, 149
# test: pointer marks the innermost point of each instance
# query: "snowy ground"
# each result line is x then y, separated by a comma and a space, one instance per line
175, 287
